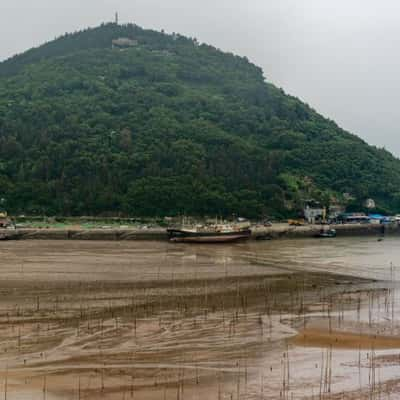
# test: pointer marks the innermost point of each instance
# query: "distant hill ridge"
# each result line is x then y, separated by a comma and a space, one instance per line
122, 120
91, 38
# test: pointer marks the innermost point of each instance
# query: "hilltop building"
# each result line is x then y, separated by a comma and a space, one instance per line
122, 43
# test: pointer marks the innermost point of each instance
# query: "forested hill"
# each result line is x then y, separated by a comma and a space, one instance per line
166, 126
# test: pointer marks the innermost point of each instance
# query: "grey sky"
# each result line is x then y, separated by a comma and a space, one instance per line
342, 57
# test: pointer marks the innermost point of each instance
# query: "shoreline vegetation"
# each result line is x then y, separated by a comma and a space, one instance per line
170, 125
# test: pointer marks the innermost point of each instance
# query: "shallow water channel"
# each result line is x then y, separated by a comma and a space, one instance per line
289, 319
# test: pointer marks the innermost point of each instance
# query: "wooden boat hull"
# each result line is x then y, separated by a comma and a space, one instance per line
326, 235
181, 236
4, 236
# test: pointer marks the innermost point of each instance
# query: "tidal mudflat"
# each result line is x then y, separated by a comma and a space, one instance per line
294, 319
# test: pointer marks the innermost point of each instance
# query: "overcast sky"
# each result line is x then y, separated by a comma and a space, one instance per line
342, 57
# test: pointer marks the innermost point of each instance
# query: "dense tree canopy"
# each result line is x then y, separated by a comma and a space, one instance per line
166, 127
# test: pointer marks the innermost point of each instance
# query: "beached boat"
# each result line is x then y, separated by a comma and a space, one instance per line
209, 233
9, 236
330, 233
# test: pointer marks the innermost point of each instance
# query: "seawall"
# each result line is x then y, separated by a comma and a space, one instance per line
279, 231
276, 231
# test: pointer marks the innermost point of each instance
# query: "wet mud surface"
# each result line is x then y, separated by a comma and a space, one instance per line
297, 319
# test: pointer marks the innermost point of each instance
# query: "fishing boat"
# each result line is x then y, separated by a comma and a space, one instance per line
216, 233
13, 236
329, 233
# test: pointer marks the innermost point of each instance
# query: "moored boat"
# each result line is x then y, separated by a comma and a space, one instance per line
209, 233
330, 233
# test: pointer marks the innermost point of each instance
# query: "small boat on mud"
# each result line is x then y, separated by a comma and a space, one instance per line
10, 235
210, 233
329, 233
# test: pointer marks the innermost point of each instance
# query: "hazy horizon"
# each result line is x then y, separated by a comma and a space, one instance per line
340, 58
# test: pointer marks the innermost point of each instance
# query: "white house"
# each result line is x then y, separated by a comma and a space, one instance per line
314, 212
369, 203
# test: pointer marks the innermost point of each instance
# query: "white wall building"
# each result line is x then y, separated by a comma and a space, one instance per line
314, 212
370, 203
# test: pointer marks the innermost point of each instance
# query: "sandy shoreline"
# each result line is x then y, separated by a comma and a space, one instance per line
151, 320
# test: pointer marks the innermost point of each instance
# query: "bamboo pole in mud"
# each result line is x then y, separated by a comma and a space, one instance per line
288, 367
328, 369
373, 369
379, 382
6, 384
322, 375
329, 319
245, 374
262, 387
238, 381
369, 309
291, 300
132, 389
182, 380
285, 375
359, 367
44, 387
19, 340
219, 386
326, 373
205, 299
237, 299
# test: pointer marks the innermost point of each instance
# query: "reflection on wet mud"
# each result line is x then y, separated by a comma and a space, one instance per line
152, 320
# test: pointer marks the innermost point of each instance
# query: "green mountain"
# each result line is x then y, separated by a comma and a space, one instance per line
162, 125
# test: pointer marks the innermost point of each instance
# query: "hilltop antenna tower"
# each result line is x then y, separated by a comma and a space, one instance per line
116, 18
